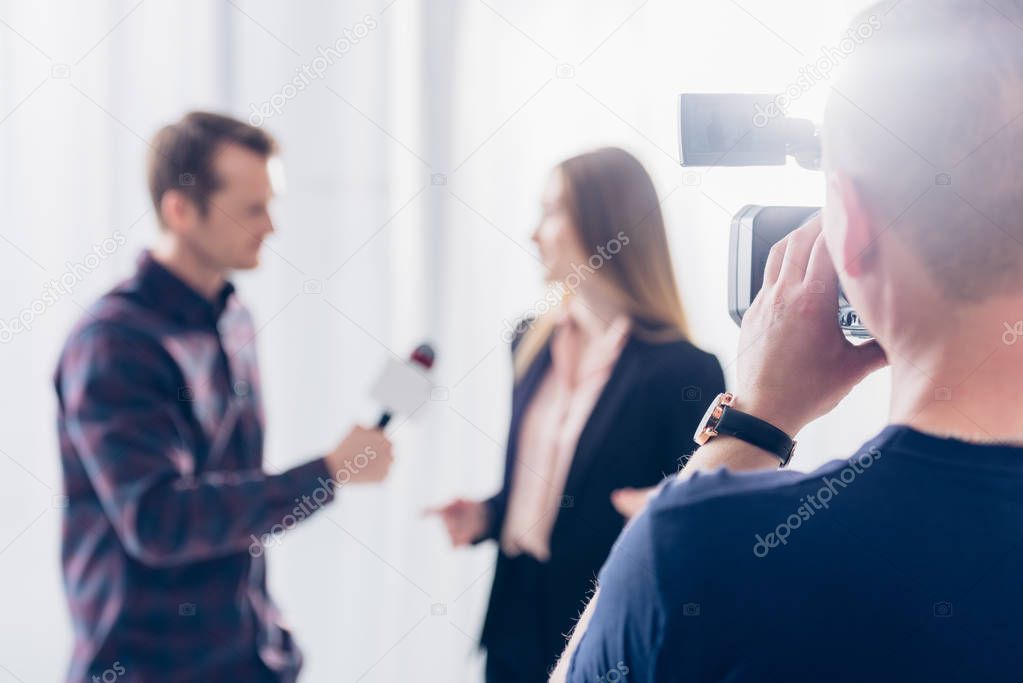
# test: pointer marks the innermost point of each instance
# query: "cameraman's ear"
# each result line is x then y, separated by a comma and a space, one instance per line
851, 230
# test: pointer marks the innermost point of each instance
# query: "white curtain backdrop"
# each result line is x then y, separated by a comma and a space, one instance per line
414, 162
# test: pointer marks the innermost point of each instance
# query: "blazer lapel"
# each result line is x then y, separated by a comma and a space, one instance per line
601, 419
530, 382
522, 394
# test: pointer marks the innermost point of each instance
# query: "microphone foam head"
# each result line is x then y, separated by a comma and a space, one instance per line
424, 356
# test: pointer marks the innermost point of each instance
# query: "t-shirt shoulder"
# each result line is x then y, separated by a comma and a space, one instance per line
721, 484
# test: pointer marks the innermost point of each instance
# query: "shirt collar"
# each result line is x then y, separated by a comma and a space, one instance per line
171, 295
574, 359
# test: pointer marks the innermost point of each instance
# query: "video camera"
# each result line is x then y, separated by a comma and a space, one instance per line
749, 130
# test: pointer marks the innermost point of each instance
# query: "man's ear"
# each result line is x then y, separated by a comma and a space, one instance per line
177, 211
852, 226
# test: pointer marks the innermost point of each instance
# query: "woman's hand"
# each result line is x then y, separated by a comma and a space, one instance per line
465, 520
629, 501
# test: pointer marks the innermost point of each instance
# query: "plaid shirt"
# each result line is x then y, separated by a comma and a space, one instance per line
161, 439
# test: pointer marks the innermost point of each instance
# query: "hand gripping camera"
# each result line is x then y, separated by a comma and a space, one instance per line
749, 130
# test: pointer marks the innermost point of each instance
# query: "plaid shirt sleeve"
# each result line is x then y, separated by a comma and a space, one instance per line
118, 391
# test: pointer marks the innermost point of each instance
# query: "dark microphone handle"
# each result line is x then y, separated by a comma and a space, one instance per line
384, 419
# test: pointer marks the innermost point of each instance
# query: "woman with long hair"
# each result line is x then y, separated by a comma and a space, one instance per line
608, 392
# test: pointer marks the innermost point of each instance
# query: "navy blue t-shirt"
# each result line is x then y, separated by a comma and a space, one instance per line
904, 562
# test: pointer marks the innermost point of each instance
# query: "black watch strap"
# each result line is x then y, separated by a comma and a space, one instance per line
757, 432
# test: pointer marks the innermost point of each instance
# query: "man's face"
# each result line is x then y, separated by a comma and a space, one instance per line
237, 220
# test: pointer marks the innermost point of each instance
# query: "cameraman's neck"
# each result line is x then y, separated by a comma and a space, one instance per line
963, 379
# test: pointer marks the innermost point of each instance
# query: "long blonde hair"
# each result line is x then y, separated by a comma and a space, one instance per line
612, 199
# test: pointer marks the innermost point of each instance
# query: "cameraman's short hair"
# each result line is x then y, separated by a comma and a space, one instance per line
928, 121
181, 155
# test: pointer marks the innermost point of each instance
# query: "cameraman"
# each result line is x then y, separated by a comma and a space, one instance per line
902, 562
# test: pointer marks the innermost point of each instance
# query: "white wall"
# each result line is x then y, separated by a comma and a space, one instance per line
462, 88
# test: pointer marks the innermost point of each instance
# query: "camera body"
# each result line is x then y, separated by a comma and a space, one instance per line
755, 229
749, 130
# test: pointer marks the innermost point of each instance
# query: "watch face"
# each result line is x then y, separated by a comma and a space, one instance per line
710, 420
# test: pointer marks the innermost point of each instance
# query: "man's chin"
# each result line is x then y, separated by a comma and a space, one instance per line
249, 262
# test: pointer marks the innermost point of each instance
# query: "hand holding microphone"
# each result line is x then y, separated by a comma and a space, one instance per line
365, 456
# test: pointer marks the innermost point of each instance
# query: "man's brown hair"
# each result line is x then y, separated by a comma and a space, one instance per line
181, 154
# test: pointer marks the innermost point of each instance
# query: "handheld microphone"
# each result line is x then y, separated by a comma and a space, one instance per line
403, 387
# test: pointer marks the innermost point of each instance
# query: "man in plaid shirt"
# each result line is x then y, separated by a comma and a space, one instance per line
161, 436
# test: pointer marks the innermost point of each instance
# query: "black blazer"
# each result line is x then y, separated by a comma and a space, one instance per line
640, 427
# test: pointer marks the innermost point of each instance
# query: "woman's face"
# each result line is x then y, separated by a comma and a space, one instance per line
556, 235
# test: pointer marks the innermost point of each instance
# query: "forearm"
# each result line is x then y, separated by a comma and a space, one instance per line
187, 520
731, 453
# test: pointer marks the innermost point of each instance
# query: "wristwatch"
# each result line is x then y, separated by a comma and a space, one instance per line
723, 418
